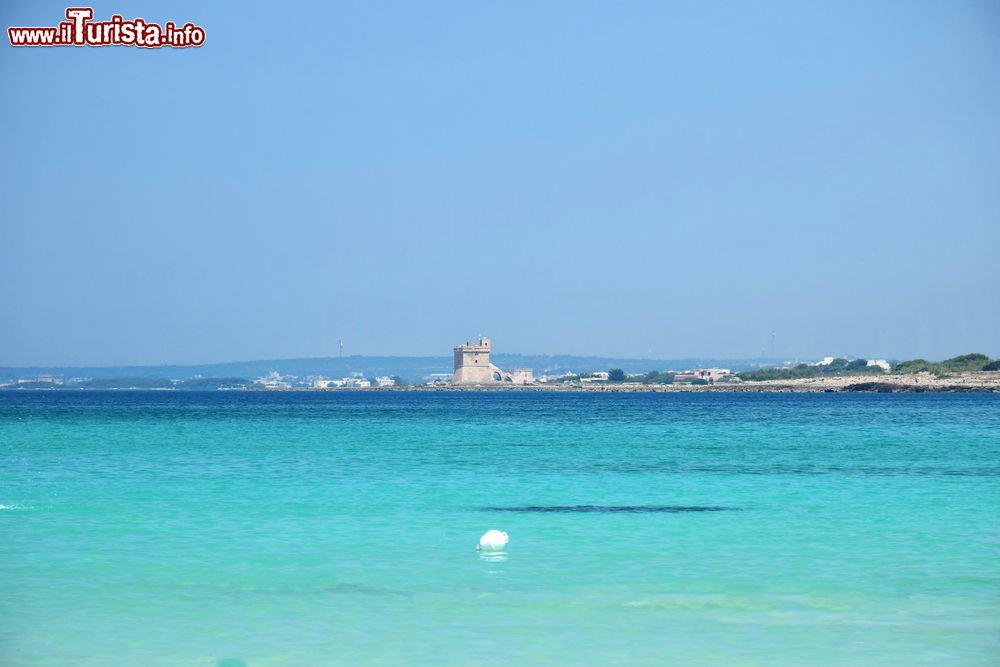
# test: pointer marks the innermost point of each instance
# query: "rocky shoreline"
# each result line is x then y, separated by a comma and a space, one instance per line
982, 382
905, 383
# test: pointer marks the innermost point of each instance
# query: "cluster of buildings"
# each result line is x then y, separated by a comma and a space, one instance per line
561, 377
473, 367
356, 380
881, 363
43, 379
275, 380
710, 375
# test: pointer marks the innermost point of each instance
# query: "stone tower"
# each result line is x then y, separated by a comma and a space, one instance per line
472, 363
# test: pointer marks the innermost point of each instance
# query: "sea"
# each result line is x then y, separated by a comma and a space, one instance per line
265, 529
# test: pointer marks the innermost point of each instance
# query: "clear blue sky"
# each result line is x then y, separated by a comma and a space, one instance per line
628, 179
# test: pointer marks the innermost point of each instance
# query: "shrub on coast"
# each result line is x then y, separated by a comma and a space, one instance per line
966, 362
912, 366
616, 375
961, 364
656, 377
835, 368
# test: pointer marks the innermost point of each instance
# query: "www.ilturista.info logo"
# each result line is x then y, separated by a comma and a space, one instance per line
80, 30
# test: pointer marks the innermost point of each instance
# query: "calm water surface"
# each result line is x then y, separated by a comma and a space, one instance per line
226, 529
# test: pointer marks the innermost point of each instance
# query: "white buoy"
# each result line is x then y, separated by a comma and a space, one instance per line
493, 540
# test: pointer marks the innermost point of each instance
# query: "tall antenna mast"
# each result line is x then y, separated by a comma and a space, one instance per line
341, 346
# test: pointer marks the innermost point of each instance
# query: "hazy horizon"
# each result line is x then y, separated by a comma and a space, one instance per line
497, 356
660, 181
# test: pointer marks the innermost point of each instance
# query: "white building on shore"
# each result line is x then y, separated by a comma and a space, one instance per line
273, 380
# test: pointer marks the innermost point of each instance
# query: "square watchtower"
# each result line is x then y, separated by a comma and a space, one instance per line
472, 363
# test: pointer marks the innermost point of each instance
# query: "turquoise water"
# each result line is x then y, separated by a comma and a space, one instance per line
339, 528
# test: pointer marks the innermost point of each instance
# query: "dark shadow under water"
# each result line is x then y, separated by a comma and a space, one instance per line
625, 509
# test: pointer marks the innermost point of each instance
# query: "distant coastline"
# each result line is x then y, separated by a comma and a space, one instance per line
971, 372
982, 381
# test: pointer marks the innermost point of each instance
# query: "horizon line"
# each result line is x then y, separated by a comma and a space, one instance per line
426, 356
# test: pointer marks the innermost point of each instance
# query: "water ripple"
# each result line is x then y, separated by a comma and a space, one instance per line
623, 509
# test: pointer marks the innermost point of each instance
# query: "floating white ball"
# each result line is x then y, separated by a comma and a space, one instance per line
493, 540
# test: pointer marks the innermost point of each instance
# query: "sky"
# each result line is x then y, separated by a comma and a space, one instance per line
640, 179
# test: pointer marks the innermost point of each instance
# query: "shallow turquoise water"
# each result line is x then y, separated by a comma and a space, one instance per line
339, 528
